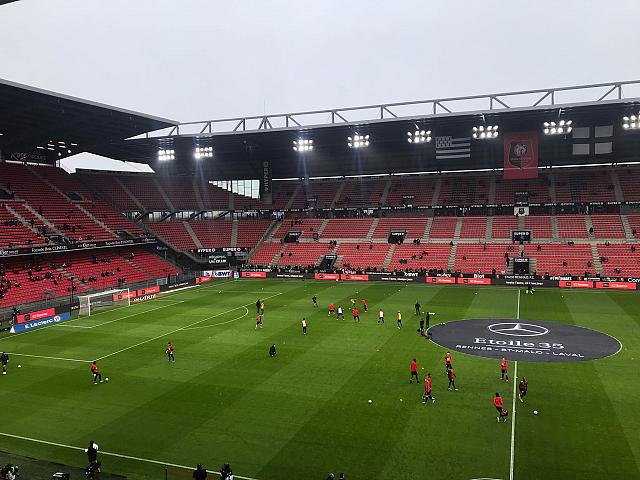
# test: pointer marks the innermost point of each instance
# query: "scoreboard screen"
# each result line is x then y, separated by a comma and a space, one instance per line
520, 236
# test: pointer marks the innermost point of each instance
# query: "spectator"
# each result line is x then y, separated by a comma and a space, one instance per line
200, 473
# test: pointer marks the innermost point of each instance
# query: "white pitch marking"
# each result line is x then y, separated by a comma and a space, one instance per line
50, 358
120, 318
513, 407
222, 323
112, 454
177, 330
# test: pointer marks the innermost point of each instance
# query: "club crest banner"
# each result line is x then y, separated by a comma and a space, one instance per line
520, 155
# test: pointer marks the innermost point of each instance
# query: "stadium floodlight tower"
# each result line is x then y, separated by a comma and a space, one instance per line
632, 122
303, 145
485, 132
203, 152
166, 155
419, 136
358, 141
561, 127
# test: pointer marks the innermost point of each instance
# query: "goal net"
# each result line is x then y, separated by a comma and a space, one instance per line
90, 304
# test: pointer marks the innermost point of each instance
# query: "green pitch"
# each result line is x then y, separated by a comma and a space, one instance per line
305, 413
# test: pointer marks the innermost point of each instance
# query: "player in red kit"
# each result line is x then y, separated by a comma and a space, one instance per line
356, 315
332, 309
364, 304
447, 362
427, 390
169, 352
96, 373
503, 369
414, 371
259, 321
451, 375
502, 413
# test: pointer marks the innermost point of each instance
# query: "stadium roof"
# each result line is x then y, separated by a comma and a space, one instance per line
39, 125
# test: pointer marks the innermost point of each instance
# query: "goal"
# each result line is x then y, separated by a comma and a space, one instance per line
90, 304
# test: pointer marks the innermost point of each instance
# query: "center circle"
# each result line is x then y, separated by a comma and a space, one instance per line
524, 340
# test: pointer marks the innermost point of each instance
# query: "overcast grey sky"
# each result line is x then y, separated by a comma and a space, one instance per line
200, 59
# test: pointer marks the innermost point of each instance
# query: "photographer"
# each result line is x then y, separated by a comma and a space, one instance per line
92, 457
9, 472
200, 473
226, 473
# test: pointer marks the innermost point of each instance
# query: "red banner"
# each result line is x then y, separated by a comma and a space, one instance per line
617, 285
148, 291
254, 274
474, 281
520, 155
441, 280
327, 276
30, 317
354, 277
575, 284
202, 279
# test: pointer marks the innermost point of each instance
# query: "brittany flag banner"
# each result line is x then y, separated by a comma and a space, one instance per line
520, 155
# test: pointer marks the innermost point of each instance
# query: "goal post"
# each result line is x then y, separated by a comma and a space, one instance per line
91, 303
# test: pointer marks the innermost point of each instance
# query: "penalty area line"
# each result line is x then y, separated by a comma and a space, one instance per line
49, 358
112, 454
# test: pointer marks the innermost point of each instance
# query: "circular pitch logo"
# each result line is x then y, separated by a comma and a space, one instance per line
518, 329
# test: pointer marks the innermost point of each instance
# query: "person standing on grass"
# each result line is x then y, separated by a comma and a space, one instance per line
332, 309
259, 321
356, 315
200, 473
340, 313
380, 316
261, 308
364, 305
414, 371
258, 303
314, 299
4, 360
427, 317
427, 390
447, 361
272, 350
304, 326
503, 370
452, 379
96, 373
421, 330
170, 356
502, 413
399, 319
523, 387
417, 305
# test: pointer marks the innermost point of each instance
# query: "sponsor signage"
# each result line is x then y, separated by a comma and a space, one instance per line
37, 315
617, 285
354, 277
146, 291
204, 279
327, 276
442, 280
144, 298
71, 248
174, 286
43, 322
287, 275
219, 259
474, 281
575, 284
254, 274
222, 273
524, 340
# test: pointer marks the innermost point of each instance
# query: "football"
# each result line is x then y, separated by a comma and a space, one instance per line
370, 401
106, 379
535, 412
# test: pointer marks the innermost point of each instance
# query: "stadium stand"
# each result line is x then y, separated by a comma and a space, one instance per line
362, 255
443, 227
414, 226
473, 227
303, 254
424, 256
211, 233
347, 228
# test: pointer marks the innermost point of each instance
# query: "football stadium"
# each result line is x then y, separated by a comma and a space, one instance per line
442, 288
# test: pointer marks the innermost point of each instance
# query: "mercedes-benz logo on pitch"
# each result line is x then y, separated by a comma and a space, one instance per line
518, 329
524, 340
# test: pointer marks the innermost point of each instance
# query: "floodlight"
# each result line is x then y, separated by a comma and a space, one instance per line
631, 122
358, 141
419, 136
203, 152
485, 132
302, 145
165, 155
561, 127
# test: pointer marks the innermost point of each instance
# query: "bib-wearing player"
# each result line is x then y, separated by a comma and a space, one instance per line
427, 390
502, 413
380, 316
96, 373
4, 360
503, 370
261, 308
523, 387
340, 313
452, 379
169, 352
414, 371
356, 315
399, 319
